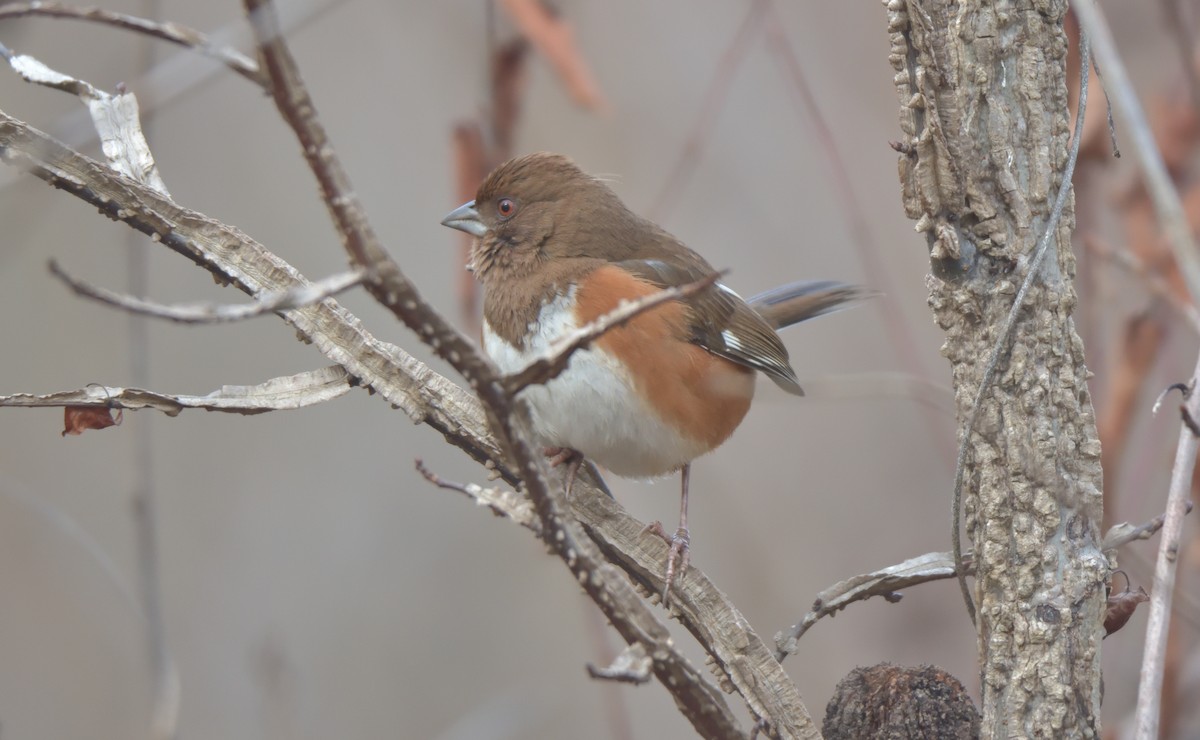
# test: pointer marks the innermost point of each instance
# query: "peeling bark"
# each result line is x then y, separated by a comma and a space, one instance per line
984, 111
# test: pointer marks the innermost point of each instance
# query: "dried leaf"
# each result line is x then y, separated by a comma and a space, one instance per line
116, 118
290, 392
1120, 607
79, 419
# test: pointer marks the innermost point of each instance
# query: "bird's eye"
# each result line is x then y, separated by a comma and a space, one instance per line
506, 207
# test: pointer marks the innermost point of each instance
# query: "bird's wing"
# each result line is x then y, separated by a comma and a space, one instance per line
720, 321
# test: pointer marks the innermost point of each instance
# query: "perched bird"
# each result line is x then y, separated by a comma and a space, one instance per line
556, 249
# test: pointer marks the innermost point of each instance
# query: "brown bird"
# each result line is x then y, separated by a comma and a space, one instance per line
556, 249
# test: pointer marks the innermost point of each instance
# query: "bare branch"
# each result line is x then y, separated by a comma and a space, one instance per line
277, 394
715, 95
297, 296
1162, 591
165, 31
546, 368
1154, 282
1122, 534
502, 502
933, 566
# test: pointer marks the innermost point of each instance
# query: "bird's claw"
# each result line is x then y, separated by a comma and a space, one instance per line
573, 459
678, 554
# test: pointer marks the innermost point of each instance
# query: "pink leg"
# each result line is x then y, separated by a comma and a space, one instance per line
680, 551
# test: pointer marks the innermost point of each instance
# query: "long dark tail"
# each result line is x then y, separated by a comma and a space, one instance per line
795, 302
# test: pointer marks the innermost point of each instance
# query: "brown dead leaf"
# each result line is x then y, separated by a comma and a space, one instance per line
1120, 607
554, 39
79, 419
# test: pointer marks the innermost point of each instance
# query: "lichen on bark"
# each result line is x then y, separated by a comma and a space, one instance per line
983, 107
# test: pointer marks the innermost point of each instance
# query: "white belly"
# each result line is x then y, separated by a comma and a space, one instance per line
592, 406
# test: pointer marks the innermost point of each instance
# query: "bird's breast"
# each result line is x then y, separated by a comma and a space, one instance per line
640, 401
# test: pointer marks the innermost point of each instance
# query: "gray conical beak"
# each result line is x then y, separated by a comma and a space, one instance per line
465, 218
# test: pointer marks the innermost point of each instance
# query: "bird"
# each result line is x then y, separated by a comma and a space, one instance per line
556, 249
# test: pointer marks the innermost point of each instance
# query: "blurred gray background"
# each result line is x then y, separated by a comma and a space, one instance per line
313, 584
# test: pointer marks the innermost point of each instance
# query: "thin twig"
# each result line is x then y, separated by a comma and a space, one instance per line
1122, 534
1154, 282
896, 328
214, 313
545, 369
1181, 28
1005, 335
502, 502
165, 31
710, 108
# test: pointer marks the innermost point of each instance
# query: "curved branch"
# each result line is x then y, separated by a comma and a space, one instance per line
164, 31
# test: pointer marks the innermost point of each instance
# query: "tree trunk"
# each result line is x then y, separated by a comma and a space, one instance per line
983, 108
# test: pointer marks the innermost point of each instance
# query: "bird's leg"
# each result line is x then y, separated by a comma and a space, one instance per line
680, 541
573, 459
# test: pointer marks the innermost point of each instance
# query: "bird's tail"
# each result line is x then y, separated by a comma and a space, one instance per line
795, 302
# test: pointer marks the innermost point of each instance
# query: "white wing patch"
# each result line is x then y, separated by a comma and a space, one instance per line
726, 289
732, 341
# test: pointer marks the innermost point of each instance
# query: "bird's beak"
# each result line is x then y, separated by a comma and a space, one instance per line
465, 218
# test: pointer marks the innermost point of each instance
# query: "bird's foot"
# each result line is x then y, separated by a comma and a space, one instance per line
679, 554
571, 458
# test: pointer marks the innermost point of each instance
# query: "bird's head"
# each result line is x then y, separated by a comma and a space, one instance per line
537, 208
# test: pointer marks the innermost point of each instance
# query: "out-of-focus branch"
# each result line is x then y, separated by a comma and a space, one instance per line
1154, 282
171, 32
1137, 132
554, 39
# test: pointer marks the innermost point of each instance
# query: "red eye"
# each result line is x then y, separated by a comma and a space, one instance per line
506, 207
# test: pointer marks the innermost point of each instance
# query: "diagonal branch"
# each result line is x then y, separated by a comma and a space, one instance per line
174, 33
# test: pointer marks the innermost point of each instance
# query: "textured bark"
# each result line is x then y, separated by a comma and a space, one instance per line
986, 125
